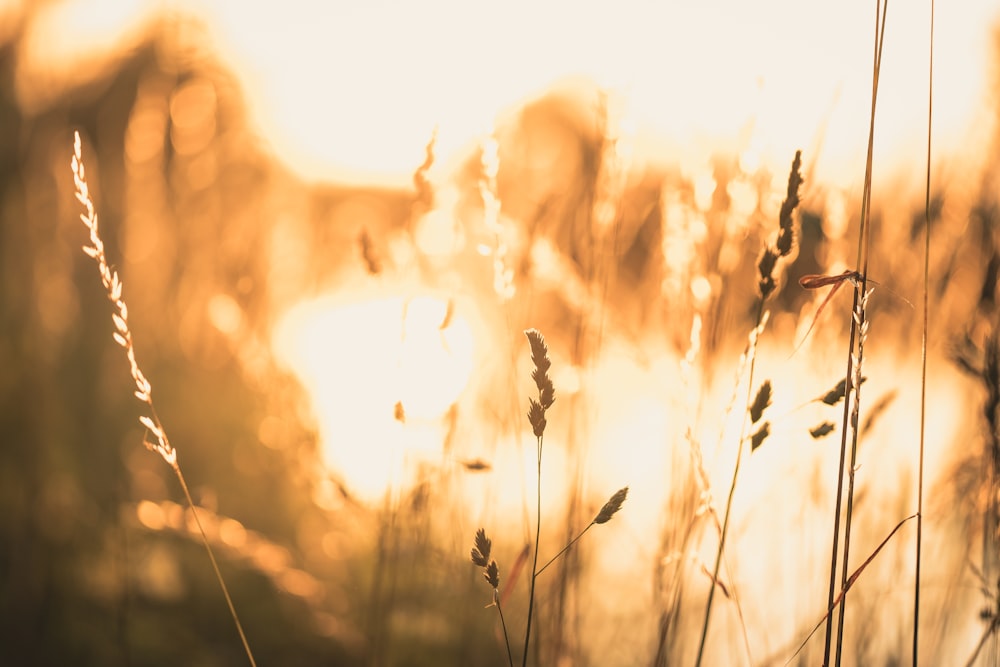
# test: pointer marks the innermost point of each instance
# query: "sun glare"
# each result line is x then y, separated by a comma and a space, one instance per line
381, 372
608, 173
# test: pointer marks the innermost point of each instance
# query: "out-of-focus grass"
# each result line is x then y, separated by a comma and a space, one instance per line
217, 242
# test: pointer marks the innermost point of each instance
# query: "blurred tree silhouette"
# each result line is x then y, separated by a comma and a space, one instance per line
98, 564
182, 207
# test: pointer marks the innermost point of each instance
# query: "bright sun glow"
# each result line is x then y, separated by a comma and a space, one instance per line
360, 358
413, 363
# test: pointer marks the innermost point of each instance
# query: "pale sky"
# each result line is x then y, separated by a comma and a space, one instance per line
353, 90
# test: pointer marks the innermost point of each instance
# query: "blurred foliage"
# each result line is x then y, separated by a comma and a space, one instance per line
186, 201
98, 567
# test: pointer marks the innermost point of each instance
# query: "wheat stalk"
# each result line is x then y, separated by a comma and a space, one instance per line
143, 389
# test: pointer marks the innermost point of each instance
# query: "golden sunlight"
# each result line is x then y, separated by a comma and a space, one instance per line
382, 372
770, 76
327, 82
336, 222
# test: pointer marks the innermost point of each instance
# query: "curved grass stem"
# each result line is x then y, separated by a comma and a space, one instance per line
215, 565
565, 548
143, 389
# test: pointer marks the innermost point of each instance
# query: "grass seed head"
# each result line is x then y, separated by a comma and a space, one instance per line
613, 505
786, 232
540, 358
758, 438
824, 429
481, 552
539, 350
492, 574
536, 417
766, 266
119, 315
836, 394
546, 390
786, 238
761, 402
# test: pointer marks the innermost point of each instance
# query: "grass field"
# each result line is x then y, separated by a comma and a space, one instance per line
330, 385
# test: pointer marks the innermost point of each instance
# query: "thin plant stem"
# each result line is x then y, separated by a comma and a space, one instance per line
837, 507
503, 624
858, 326
766, 286
751, 352
480, 555
739, 609
143, 389
609, 509
850, 582
536, 417
534, 561
851, 409
565, 548
923, 348
215, 564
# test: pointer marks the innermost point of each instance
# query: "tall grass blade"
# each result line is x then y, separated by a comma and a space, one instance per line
923, 347
850, 582
852, 375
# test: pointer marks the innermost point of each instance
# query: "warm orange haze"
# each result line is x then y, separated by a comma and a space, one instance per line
324, 231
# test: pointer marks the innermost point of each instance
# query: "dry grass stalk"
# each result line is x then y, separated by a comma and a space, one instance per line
143, 390
607, 511
536, 417
480, 554
612, 506
923, 348
861, 324
836, 395
766, 268
491, 572
848, 583
690, 497
858, 331
786, 235
122, 334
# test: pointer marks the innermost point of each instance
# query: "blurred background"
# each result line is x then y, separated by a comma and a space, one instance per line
333, 225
